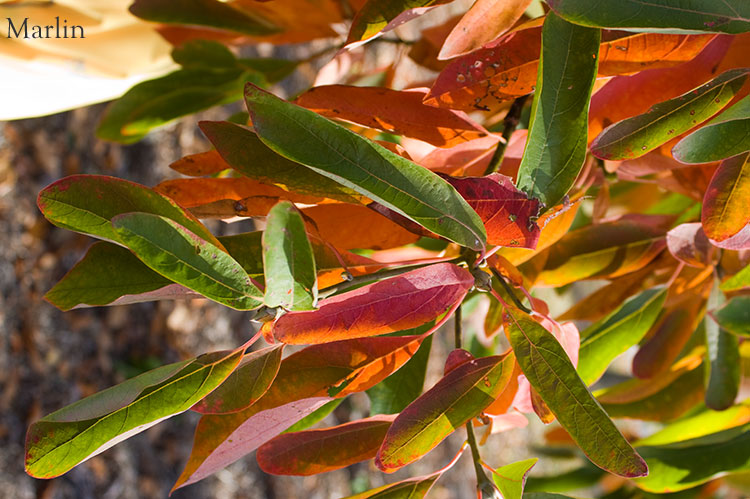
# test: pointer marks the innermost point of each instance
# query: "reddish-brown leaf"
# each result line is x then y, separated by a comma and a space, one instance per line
508, 214
317, 451
456, 358
485, 21
399, 112
689, 244
725, 205
402, 302
306, 380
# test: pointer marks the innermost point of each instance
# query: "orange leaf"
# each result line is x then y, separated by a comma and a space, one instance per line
485, 21
402, 302
200, 164
399, 112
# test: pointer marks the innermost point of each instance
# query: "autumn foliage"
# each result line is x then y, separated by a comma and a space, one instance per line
536, 146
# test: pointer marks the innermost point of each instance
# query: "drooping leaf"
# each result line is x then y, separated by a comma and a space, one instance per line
483, 23
397, 391
670, 334
105, 274
291, 279
65, 438
370, 169
556, 146
722, 360
402, 302
724, 214
634, 137
511, 478
455, 399
185, 258
688, 463
689, 244
609, 249
548, 369
247, 383
317, 451
411, 488
613, 335
209, 13
87, 204
665, 398
508, 214
734, 316
398, 112
730, 16
156, 102
243, 151
725, 136
306, 381
376, 16
699, 425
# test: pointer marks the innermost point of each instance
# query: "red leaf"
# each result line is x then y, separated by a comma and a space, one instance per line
457, 357
508, 214
399, 112
408, 300
316, 451
689, 244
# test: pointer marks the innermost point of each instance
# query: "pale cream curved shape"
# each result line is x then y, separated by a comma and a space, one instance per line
45, 76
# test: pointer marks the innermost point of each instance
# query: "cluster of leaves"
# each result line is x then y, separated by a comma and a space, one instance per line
630, 166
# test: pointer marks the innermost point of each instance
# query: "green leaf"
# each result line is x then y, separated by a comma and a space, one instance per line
726, 16
620, 330
725, 136
65, 438
397, 391
723, 360
209, 13
87, 204
579, 478
545, 495
551, 374
156, 102
412, 488
107, 272
364, 166
291, 280
244, 151
180, 255
511, 478
636, 136
203, 54
459, 396
699, 425
734, 316
688, 463
556, 146
249, 381
738, 281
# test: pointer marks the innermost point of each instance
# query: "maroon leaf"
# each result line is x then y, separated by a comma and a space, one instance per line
689, 244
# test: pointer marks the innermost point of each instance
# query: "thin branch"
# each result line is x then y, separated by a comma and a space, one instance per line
510, 291
485, 487
511, 122
457, 327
